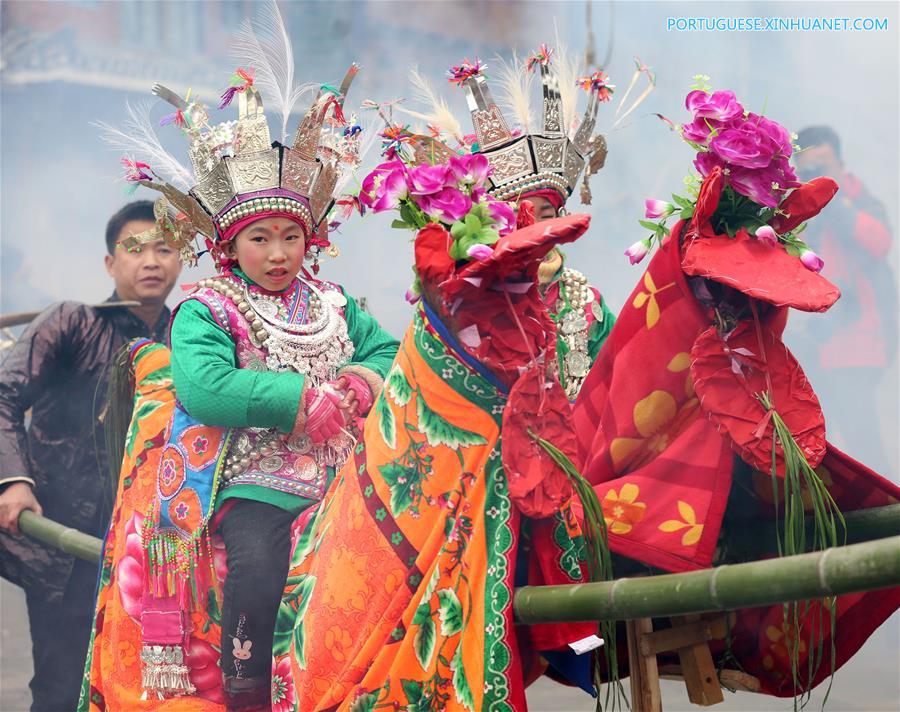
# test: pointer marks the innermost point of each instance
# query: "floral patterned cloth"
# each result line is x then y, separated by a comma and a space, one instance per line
400, 589
113, 669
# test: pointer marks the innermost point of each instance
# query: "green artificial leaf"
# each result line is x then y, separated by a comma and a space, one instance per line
792, 250
424, 641
387, 425
365, 702
398, 387
439, 431
682, 202
401, 480
413, 691
460, 683
652, 226
401, 225
450, 612
687, 213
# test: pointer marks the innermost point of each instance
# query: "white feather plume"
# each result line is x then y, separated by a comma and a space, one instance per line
438, 113
515, 85
264, 45
137, 138
567, 70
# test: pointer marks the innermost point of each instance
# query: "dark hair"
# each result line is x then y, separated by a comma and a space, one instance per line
138, 210
818, 136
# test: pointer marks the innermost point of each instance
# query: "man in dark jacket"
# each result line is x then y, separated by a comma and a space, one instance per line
57, 465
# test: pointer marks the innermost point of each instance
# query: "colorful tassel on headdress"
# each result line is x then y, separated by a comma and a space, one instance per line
597, 82
457, 74
541, 57
241, 81
393, 139
349, 203
339, 117
136, 171
178, 118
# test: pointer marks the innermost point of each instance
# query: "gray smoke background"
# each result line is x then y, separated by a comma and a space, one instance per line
68, 64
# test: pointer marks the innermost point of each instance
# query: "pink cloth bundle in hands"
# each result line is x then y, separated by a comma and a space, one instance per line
324, 418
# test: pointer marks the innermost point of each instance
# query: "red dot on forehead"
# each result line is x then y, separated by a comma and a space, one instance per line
276, 228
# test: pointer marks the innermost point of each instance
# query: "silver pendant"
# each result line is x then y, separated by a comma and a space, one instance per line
577, 364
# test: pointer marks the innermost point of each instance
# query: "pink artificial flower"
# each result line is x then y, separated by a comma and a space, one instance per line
504, 216
425, 180
767, 235
447, 205
638, 251
655, 209
811, 260
411, 296
385, 187
719, 106
744, 146
479, 252
756, 185
470, 169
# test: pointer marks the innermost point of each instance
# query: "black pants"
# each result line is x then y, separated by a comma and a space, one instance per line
59, 641
257, 541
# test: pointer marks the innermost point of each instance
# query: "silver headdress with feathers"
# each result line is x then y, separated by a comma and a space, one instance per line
528, 157
237, 170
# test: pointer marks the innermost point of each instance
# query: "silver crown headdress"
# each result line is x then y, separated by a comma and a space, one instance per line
528, 158
237, 169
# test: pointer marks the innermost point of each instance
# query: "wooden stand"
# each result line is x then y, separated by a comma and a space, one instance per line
689, 636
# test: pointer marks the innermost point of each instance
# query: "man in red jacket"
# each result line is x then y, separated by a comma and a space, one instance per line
857, 344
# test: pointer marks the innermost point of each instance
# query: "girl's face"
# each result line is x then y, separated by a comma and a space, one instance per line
269, 251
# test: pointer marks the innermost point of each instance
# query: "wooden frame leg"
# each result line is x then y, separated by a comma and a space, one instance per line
643, 671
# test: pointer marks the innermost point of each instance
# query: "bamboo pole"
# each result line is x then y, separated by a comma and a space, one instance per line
78, 544
846, 569
745, 543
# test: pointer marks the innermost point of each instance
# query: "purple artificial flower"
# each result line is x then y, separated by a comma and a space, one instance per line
718, 106
426, 180
698, 130
504, 216
655, 209
479, 252
470, 169
744, 145
385, 187
756, 185
767, 235
704, 162
447, 205
811, 260
638, 251
774, 132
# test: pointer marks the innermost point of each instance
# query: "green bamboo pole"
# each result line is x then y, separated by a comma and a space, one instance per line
751, 543
78, 544
846, 569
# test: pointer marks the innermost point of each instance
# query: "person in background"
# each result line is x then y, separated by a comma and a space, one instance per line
56, 466
856, 346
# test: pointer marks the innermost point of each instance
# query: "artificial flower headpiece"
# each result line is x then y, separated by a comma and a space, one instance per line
528, 158
237, 169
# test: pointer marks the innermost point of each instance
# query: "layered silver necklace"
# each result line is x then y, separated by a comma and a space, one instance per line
316, 348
